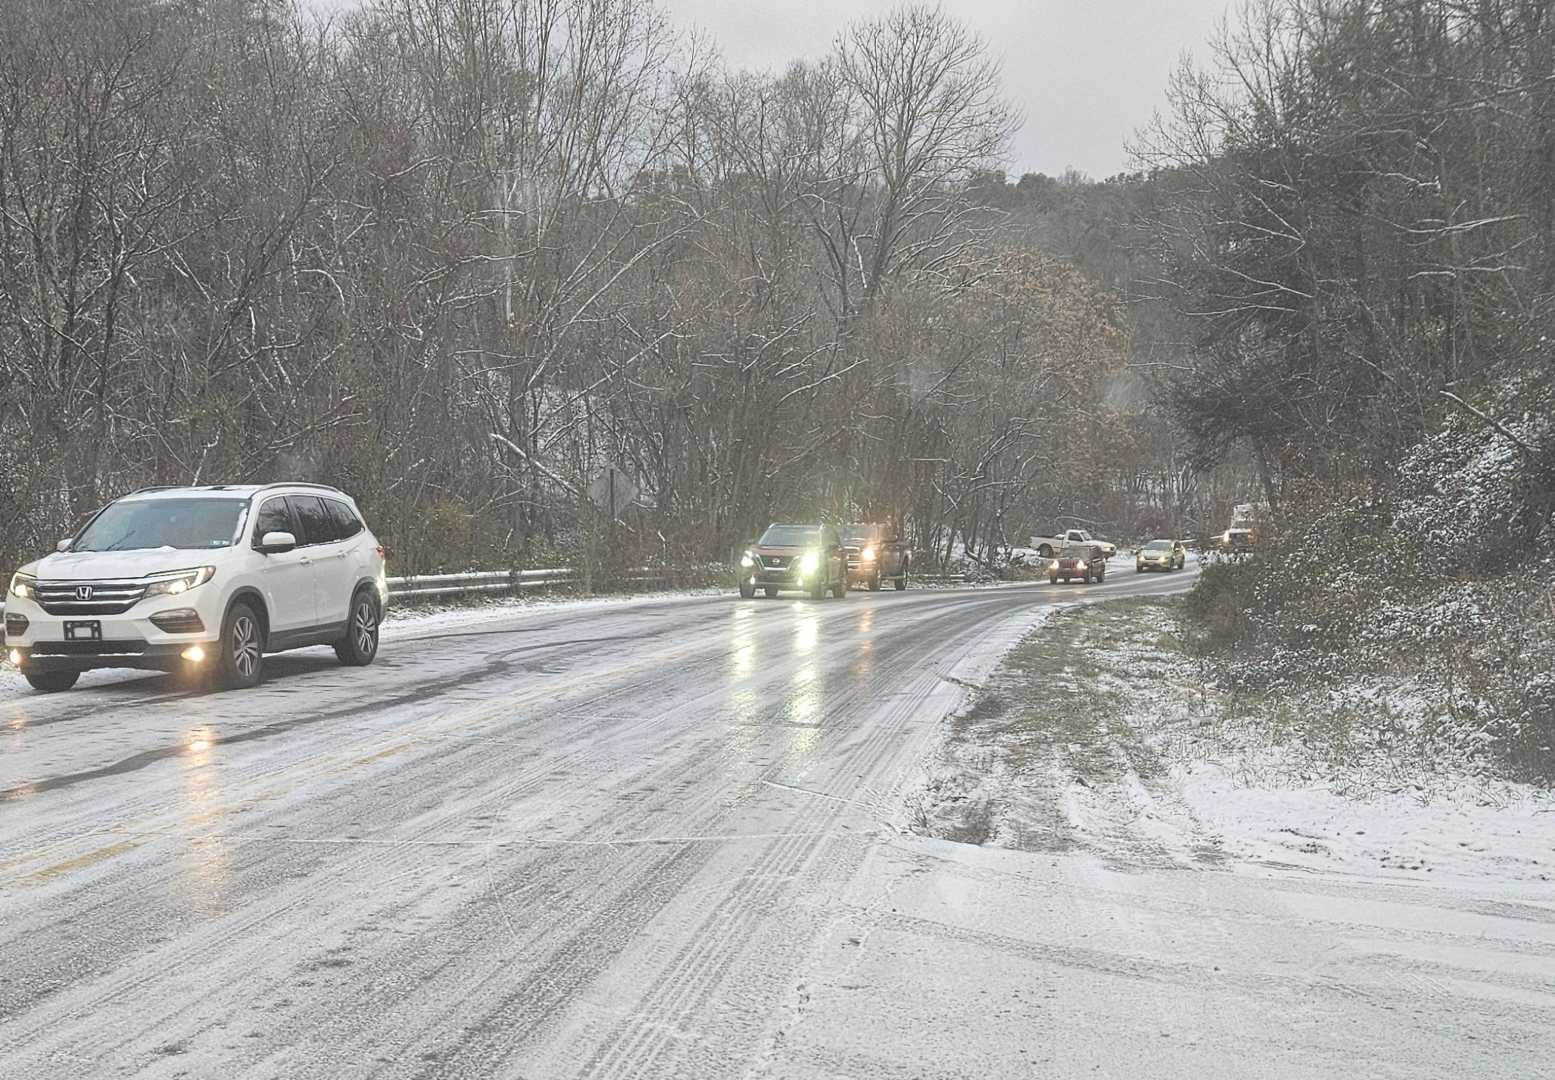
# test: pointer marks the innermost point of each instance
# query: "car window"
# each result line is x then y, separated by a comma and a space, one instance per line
1159, 545
789, 536
347, 524
273, 517
317, 526
185, 524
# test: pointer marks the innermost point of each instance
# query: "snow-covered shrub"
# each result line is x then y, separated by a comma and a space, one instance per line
1469, 494
1446, 579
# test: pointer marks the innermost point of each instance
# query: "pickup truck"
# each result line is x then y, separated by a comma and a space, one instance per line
875, 555
1046, 545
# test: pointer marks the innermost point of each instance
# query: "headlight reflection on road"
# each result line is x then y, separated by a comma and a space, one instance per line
742, 656
807, 691
205, 859
197, 746
806, 634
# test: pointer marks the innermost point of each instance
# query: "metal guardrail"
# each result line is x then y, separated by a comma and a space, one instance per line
499, 581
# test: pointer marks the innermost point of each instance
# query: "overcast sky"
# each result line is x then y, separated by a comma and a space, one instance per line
1086, 73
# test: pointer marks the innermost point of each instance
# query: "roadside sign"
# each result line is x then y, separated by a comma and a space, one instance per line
613, 491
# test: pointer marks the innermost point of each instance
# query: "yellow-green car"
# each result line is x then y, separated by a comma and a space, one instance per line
1160, 555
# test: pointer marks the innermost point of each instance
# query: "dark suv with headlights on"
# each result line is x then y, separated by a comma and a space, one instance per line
875, 556
1084, 561
805, 558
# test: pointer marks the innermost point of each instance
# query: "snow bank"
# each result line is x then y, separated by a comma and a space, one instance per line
1098, 735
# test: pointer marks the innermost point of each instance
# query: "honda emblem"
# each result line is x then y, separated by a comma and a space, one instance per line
83, 592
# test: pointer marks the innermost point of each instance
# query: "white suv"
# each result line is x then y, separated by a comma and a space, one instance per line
203, 581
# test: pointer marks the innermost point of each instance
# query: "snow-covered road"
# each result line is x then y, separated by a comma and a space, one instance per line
669, 838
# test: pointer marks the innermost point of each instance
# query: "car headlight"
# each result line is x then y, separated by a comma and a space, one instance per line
180, 581
1079, 566
24, 586
1055, 565
810, 563
867, 554
747, 560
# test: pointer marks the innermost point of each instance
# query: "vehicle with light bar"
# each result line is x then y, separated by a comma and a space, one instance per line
1087, 562
200, 581
801, 558
875, 555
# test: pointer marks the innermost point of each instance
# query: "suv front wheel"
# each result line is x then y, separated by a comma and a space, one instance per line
242, 650
360, 644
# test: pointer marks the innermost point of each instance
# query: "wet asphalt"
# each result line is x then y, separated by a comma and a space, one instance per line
601, 840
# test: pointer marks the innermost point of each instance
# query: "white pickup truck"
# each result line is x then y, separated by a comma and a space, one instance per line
1048, 546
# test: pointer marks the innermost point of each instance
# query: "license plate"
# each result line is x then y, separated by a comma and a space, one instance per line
84, 631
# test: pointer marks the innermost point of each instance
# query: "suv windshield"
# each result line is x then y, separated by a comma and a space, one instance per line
1077, 553
185, 524
852, 533
790, 536
1159, 545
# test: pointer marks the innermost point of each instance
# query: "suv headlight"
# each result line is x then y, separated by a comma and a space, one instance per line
24, 586
747, 560
180, 581
810, 563
868, 554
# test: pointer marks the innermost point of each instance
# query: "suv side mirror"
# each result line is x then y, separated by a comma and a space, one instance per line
277, 543
65, 544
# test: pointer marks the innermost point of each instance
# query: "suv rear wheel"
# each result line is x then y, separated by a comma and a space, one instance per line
241, 652
51, 682
360, 644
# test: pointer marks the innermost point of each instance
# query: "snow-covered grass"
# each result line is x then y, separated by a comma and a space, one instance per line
1097, 733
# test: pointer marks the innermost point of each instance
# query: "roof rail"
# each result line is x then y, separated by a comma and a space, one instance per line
154, 487
300, 484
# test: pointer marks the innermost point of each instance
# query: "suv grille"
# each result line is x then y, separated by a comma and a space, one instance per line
775, 562
90, 597
89, 648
